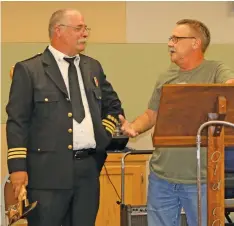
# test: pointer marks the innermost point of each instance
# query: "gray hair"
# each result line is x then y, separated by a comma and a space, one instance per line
200, 28
58, 17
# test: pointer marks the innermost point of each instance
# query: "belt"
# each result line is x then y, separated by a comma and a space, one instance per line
83, 153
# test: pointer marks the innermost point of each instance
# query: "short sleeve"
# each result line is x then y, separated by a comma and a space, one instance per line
223, 73
165, 78
155, 98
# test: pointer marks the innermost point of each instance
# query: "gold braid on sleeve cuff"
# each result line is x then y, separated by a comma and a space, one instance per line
110, 123
17, 153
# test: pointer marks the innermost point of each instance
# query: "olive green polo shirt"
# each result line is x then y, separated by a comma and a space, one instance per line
178, 165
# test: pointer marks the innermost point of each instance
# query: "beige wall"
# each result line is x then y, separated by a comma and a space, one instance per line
28, 21
155, 20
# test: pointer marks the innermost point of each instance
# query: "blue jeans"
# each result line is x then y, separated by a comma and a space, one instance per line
165, 201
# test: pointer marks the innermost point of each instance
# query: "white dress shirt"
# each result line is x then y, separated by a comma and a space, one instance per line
83, 133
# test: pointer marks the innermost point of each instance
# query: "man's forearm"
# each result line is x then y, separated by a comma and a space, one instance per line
230, 81
145, 121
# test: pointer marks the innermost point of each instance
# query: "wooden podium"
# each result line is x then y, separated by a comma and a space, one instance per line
183, 109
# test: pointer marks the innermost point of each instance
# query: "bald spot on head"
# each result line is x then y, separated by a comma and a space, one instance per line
61, 16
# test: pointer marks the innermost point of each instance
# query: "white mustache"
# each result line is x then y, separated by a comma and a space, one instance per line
83, 40
171, 49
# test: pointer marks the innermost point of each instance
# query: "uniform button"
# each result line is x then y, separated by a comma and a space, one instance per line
38, 149
70, 130
46, 99
69, 147
69, 114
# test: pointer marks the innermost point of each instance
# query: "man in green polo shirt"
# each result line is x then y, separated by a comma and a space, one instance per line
172, 179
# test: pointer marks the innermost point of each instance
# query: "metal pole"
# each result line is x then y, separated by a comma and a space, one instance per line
134, 152
123, 176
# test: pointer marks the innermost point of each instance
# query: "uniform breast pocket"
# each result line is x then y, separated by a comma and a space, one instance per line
46, 104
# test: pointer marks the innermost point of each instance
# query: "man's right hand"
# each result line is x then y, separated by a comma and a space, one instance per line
18, 179
126, 127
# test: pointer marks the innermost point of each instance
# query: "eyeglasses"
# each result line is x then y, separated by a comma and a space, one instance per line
78, 28
175, 39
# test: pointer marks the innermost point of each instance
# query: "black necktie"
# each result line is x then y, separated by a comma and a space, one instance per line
75, 95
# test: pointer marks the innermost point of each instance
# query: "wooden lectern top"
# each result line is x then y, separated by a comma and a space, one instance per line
184, 107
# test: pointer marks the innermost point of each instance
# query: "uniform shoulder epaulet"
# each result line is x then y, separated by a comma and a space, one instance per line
26, 60
33, 57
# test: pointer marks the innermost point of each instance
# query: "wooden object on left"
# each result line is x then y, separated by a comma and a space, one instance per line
16, 210
13, 208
